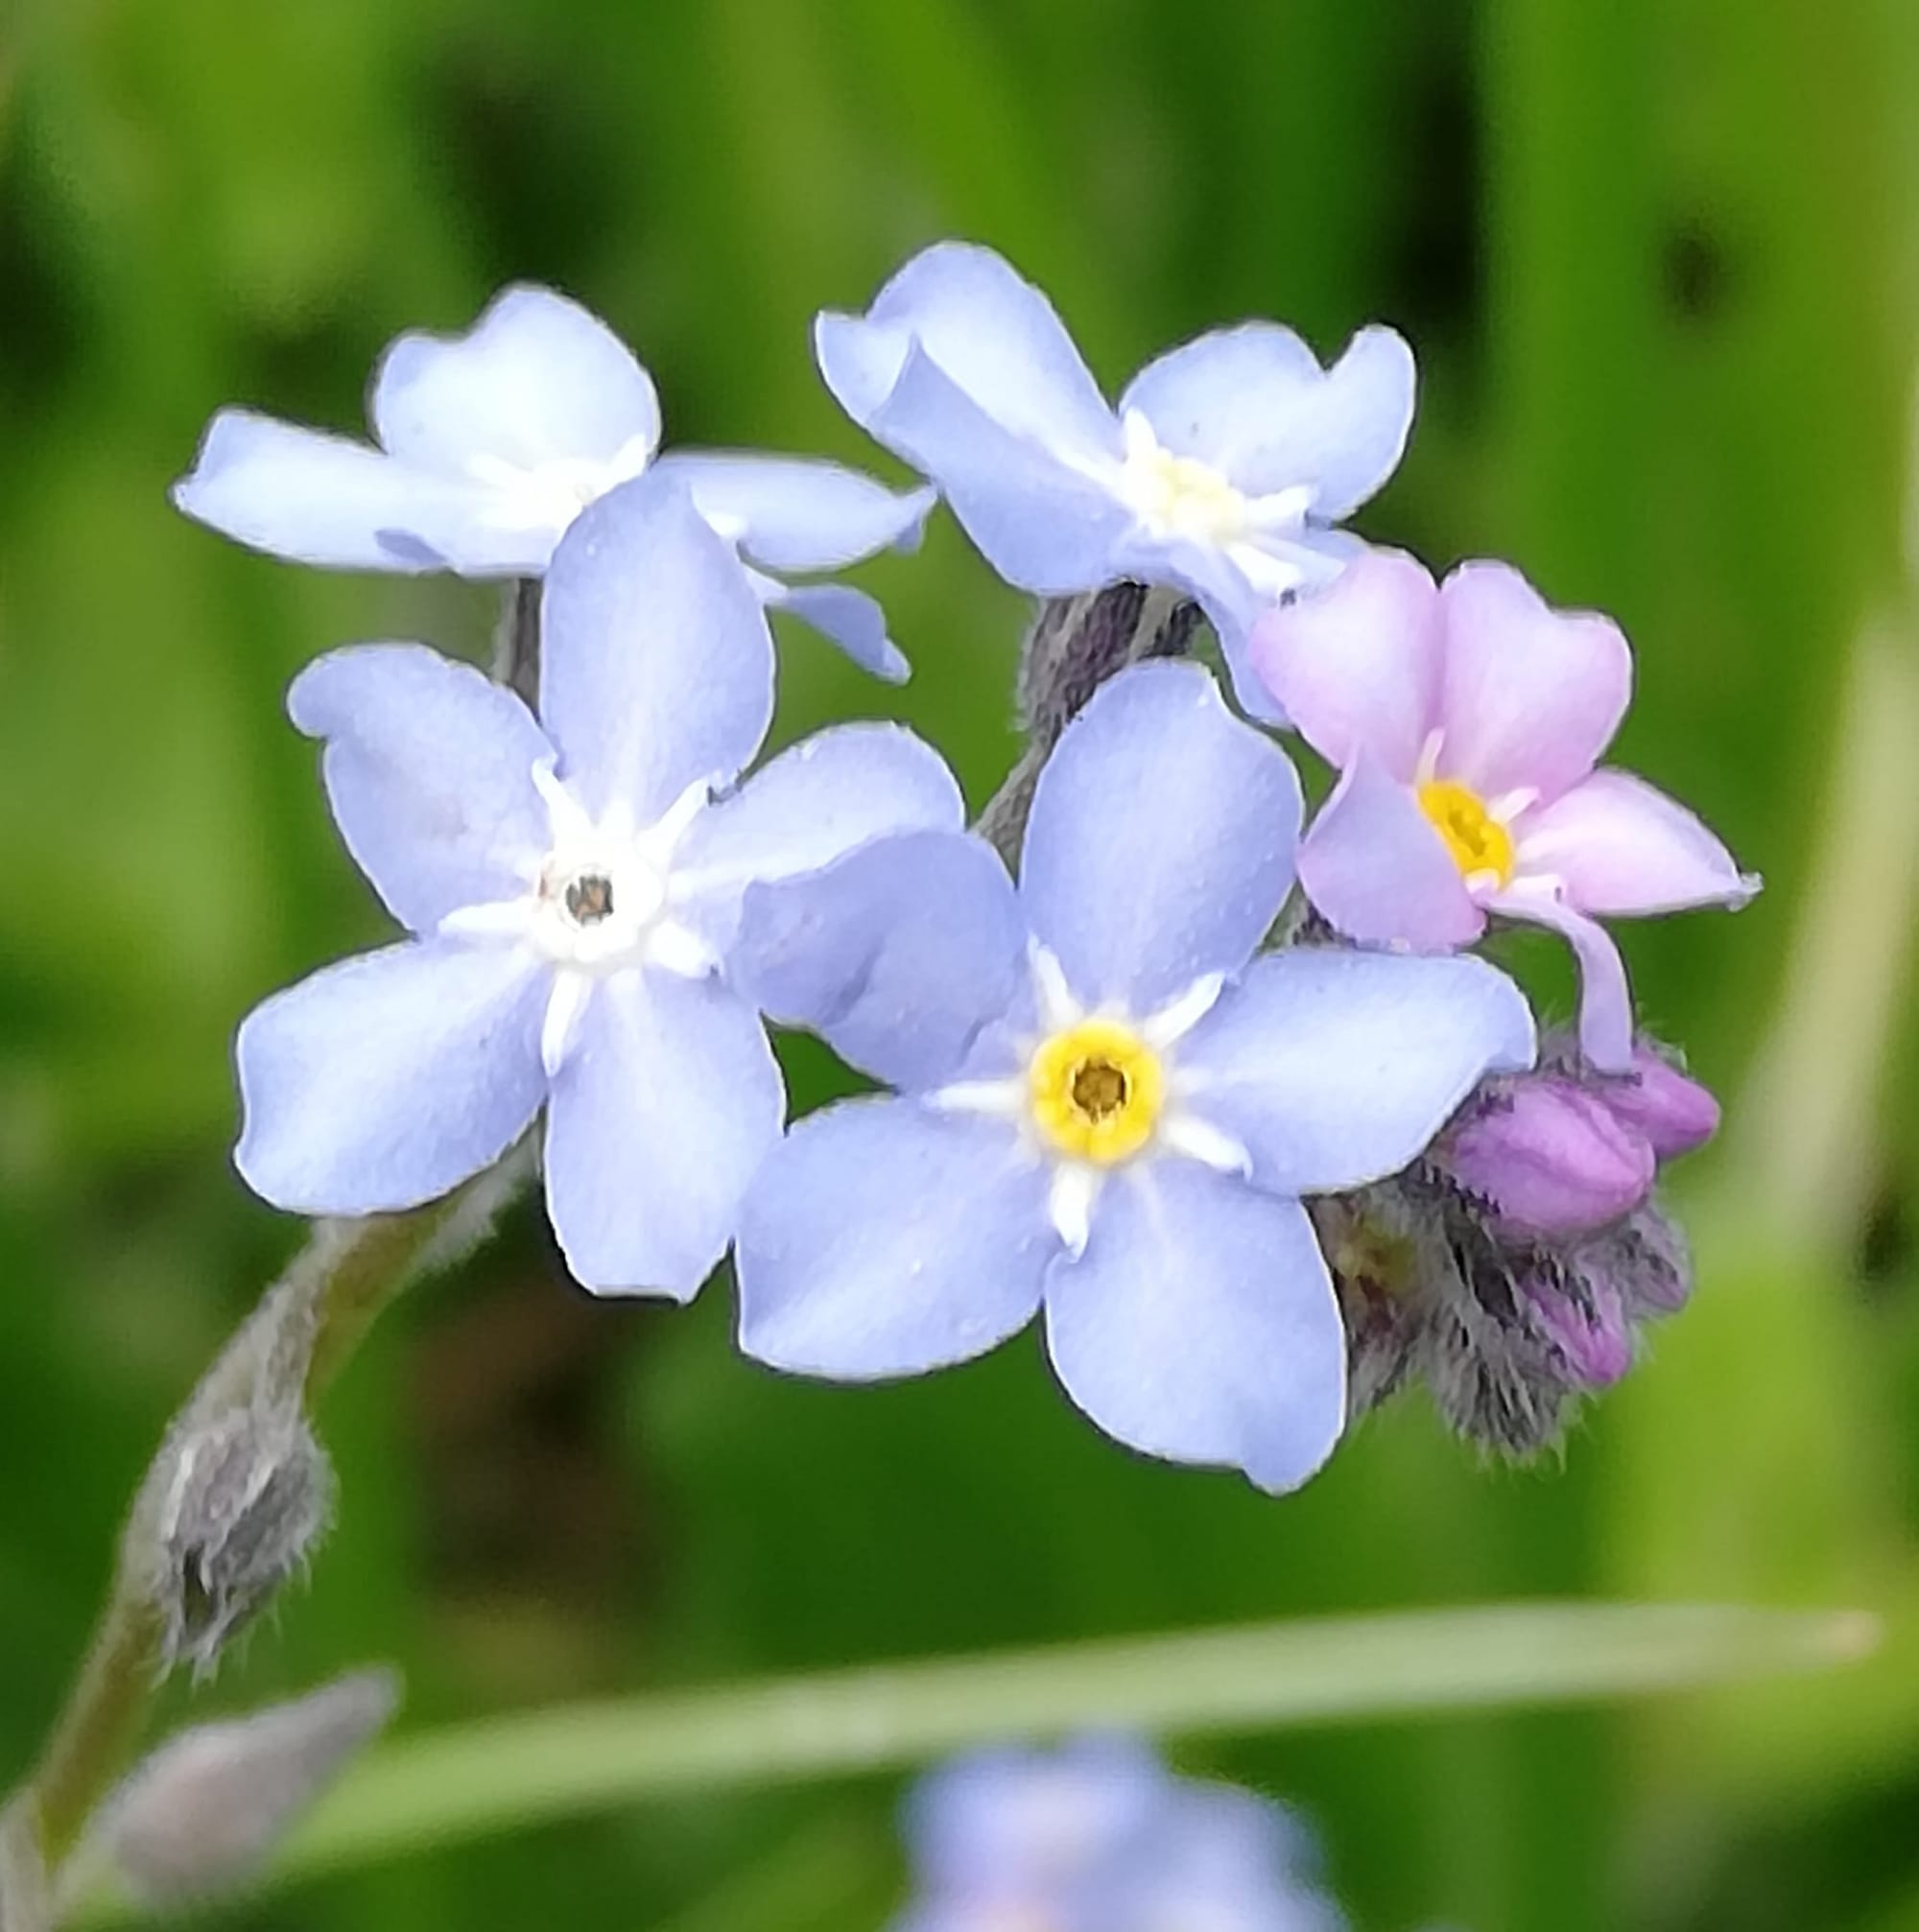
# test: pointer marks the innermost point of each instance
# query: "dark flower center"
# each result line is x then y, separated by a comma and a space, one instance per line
589, 899
1099, 1089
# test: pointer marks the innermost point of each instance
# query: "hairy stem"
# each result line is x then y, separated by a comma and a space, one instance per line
302, 1333
1075, 645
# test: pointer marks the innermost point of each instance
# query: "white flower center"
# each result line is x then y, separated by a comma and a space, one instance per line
549, 495
1179, 496
600, 901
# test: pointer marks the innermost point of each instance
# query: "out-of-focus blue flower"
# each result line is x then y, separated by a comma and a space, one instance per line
1223, 472
1104, 1109
1100, 1836
1466, 719
490, 444
573, 887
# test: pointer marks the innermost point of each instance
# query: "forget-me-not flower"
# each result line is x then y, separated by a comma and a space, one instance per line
1105, 1110
1224, 471
573, 887
1099, 1835
1466, 719
490, 444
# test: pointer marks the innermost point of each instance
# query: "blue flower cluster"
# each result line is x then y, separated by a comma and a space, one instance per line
1106, 1092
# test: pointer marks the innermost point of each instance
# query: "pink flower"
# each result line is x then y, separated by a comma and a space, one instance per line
1466, 721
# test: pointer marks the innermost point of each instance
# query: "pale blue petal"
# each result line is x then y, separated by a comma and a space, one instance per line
1160, 846
668, 1101
1201, 1325
1008, 1819
1253, 403
1335, 1068
429, 768
656, 668
884, 1238
320, 499
799, 513
844, 617
908, 957
994, 334
1216, 398
1043, 523
382, 1082
819, 801
535, 379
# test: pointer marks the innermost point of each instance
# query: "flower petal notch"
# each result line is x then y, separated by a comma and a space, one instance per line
1466, 721
1107, 1108
487, 446
1223, 472
572, 887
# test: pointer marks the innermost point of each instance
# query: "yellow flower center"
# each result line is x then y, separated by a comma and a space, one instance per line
1096, 1090
1477, 840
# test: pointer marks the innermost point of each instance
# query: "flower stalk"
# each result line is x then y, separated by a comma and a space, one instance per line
202, 1552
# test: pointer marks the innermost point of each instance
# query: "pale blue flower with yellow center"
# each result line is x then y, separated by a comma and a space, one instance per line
1224, 471
489, 443
1098, 1835
1107, 1108
572, 885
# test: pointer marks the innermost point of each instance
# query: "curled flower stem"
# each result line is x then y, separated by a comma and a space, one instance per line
1075, 645
281, 1358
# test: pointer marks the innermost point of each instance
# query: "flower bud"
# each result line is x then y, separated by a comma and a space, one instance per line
247, 1497
1546, 1157
1582, 1315
1674, 1111
208, 1806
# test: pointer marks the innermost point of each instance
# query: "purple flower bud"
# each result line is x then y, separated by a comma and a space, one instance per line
1674, 1111
1582, 1316
1547, 1157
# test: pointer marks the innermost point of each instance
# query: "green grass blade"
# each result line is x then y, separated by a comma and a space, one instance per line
474, 1780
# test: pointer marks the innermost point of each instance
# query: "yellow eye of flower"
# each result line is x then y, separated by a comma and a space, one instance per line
1477, 840
1096, 1090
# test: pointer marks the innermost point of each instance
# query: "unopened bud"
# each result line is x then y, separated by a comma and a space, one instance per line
1546, 1157
1655, 1100
1584, 1320
202, 1814
1647, 1260
245, 1498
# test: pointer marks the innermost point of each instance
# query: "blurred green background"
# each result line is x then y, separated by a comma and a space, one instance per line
1658, 260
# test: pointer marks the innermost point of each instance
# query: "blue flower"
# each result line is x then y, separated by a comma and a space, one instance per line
1100, 1836
1105, 1110
573, 889
492, 443
1224, 471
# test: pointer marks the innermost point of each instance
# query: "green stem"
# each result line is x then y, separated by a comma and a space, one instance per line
327, 1300
471, 1780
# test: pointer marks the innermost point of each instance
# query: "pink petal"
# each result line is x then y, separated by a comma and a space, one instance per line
1605, 999
1356, 665
1616, 844
1532, 695
1373, 865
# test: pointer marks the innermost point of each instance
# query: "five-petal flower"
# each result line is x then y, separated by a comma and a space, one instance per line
1104, 1109
573, 889
1100, 1836
1466, 721
1223, 472
489, 445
